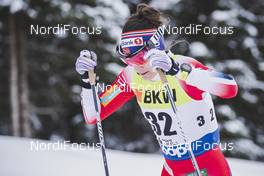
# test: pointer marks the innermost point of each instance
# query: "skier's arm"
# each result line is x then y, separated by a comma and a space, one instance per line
208, 80
110, 100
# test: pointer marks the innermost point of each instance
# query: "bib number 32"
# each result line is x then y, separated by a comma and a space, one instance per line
155, 120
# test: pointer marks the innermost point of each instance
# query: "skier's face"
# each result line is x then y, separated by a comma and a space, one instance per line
145, 70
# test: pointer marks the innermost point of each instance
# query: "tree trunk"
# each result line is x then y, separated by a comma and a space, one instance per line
14, 101
23, 81
18, 74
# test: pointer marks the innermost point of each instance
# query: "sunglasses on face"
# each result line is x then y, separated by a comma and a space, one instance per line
136, 58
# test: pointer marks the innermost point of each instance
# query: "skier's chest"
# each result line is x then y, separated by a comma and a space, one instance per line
152, 95
195, 115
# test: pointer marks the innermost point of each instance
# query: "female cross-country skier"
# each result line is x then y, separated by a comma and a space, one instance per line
191, 83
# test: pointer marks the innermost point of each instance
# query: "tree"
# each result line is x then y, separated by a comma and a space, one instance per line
18, 77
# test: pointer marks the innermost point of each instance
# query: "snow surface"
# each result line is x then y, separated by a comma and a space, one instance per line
17, 159
164, 6
15, 5
110, 15
199, 49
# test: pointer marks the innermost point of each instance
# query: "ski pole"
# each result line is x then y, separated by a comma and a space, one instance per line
174, 108
98, 119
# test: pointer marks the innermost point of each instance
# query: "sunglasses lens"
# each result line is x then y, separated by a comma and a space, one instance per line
137, 59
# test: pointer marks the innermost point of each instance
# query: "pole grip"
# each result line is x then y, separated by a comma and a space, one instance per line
162, 76
92, 76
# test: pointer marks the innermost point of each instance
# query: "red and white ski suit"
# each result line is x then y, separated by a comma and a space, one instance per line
191, 92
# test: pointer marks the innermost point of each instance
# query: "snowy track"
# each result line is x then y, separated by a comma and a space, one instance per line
16, 159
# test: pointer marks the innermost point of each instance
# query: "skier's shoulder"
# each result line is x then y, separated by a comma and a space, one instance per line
181, 59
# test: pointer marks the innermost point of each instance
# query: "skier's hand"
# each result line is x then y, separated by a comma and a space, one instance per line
87, 61
159, 59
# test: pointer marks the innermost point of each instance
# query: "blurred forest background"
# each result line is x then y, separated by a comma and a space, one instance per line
39, 87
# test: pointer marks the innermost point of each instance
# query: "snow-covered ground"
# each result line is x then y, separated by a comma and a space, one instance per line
18, 159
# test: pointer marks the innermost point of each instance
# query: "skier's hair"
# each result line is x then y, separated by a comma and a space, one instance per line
146, 17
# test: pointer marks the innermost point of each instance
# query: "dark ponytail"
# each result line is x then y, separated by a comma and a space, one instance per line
145, 17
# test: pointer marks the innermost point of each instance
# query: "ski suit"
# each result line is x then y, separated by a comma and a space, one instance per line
191, 93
